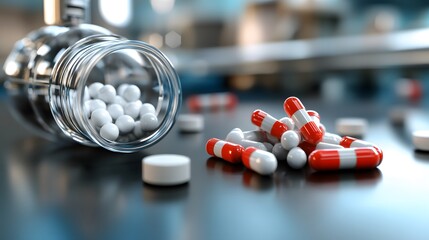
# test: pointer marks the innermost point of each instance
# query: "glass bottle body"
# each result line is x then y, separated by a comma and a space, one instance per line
50, 71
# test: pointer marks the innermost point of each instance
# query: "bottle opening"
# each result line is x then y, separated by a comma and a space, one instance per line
122, 95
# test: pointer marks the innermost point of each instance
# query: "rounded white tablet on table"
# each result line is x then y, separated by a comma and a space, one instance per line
166, 169
190, 122
421, 140
351, 126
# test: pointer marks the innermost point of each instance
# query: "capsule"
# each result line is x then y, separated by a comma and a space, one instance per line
212, 101
309, 129
351, 142
255, 135
228, 151
309, 148
237, 136
331, 138
314, 115
262, 162
268, 123
347, 158
316, 118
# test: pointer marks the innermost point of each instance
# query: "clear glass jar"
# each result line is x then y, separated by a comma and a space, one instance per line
48, 82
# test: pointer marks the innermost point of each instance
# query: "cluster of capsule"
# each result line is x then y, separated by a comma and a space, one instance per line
299, 139
118, 114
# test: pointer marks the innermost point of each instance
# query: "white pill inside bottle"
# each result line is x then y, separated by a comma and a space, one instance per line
100, 117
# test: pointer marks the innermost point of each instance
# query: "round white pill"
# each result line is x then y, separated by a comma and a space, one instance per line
290, 139
100, 117
166, 169
125, 124
109, 131
95, 104
190, 122
133, 109
421, 140
279, 152
120, 90
137, 131
148, 122
351, 126
131, 93
115, 110
296, 158
107, 93
120, 100
93, 89
147, 108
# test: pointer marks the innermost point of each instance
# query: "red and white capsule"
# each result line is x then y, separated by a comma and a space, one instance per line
262, 162
347, 158
314, 115
309, 129
212, 101
316, 118
351, 142
228, 151
268, 123
309, 148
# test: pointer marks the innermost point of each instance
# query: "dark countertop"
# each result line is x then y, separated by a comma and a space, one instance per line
55, 191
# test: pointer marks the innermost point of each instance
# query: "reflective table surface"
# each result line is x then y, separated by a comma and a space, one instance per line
52, 190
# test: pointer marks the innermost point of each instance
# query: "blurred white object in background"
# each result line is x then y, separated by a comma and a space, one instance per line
332, 88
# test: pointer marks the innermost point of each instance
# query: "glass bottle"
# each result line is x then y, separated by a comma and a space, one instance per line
49, 72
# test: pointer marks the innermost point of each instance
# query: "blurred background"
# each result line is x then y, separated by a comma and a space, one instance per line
333, 49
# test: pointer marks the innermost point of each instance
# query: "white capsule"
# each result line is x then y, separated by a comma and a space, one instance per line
125, 124
289, 122
148, 122
120, 100
255, 135
268, 146
115, 110
296, 158
100, 116
131, 93
93, 89
279, 152
109, 131
107, 93
96, 104
331, 138
133, 109
120, 90
147, 108
259, 161
271, 139
290, 139
236, 136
